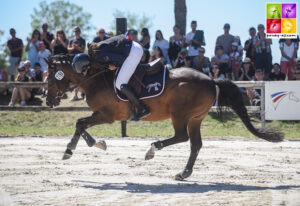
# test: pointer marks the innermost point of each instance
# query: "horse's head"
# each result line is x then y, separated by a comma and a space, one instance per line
58, 82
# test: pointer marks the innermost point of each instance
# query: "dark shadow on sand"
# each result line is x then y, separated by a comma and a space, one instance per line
179, 187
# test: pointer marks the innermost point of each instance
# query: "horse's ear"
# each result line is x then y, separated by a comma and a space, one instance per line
88, 45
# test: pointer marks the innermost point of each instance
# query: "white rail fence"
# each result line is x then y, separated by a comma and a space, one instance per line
244, 84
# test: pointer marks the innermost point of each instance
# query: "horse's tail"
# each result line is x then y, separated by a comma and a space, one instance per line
231, 96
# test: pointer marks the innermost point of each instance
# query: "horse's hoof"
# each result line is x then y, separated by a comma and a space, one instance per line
183, 175
67, 155
101, 145
150, 153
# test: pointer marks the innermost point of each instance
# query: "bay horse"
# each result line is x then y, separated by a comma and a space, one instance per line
187, 99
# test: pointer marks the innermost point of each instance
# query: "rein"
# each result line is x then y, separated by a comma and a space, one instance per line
91, 77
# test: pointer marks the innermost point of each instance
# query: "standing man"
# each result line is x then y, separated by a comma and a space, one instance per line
225, 40
77, 44
249, 47
47, 37
263, 56
194, 40
15, 46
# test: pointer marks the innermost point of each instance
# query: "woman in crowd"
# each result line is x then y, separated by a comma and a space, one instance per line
175, 44
162, 44
215, 72
157, 53
182, 59
32, 47
23, 94
145, 42
59, 44
246, 71
288, 57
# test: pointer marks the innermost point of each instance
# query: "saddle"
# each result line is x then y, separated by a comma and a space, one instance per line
152, 68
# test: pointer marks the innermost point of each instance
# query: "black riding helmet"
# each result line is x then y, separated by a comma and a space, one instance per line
80, 63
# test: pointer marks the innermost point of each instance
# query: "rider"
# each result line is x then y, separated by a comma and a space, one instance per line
118, 51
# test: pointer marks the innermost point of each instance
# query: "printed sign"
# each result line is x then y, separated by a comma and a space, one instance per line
281, 20
282, 100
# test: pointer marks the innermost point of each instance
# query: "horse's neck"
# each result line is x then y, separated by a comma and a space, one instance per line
101, 82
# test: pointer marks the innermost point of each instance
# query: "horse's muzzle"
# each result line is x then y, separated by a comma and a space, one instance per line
52, 101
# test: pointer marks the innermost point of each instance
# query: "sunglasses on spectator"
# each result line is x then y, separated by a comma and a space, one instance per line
77, 31
201, 51
60, 32
101, 32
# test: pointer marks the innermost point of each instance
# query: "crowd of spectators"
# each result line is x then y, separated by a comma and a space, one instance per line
179, 50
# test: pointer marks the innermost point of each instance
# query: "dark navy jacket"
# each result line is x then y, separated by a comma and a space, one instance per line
114, 50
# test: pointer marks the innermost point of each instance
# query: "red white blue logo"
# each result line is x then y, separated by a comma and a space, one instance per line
279, 96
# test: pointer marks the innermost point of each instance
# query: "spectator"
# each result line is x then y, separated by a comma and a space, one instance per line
15, 46
145, 42
182, 60
38, 72
277, 75
23, 94
263, 56
201, 62
43, 54
110, 34
246, 71
32, 47
134, 34
234, 60
76, 45
255, 94
162, 44
249, 47
157, 53
194, 40
39, 78
175, 44
29, 72
47, 37
297, 69
3, 78
215, 73
59, 44
240, 47
222, 60
225, 40
100, 36
288, 57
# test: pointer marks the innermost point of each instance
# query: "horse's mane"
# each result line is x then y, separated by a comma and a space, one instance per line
62, 58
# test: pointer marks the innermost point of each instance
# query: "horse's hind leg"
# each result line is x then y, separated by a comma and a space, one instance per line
81, 125
196, 144
181, 135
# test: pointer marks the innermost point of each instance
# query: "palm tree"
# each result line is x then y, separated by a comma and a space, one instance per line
180, 14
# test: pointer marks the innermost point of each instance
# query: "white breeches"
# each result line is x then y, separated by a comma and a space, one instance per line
130, 64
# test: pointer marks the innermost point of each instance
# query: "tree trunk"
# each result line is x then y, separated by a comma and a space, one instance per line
180, 15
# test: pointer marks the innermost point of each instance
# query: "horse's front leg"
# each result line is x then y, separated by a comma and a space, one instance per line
81, 125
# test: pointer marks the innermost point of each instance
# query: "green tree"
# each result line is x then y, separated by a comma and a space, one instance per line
134, 21
61, 14
4, 53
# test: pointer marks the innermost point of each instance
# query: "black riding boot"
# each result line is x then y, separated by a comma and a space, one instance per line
142, 110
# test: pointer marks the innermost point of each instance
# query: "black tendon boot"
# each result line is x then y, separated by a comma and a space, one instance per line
142, 110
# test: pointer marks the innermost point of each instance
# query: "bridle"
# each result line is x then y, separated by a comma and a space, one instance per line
59, 92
